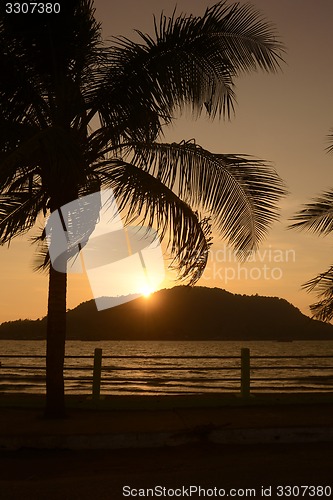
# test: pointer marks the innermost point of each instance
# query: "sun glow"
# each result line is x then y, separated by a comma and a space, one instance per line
146, 291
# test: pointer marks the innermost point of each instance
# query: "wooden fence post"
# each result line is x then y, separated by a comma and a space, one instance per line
245, 373
97, 371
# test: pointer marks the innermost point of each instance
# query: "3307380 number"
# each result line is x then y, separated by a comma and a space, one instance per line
32, 8
304, 491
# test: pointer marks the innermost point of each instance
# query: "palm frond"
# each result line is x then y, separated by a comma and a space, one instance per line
240, 193
323, 283
244, 36
323, 286
192, 61
316, 216
50, 63
53, 153
21, 99
147, 201
322, 310
329, 148
42, 260
19, 212
21, 160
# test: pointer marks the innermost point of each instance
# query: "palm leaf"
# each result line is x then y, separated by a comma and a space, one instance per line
192, 61
51, 64
19, 212
323, 310
147, 201
323, 285
329, 148
240, 193
316, 216
41, 262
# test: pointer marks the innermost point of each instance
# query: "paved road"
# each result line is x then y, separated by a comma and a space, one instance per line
102, 474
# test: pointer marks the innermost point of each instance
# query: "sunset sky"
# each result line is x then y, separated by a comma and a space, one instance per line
283, 118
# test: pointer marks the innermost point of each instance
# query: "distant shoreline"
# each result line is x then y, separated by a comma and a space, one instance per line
186, 314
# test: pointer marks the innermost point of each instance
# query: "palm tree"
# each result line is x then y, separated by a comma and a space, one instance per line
317, 217
60, 76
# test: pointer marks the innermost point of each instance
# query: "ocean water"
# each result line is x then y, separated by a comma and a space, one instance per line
172, 367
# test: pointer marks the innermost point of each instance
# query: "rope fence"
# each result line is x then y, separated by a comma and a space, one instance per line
137, 374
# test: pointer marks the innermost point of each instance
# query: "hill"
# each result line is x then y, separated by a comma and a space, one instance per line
183, 313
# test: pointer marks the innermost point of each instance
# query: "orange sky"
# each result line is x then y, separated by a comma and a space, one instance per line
282, 118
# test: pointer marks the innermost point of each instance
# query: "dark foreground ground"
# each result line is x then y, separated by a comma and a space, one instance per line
102, 474
235, 470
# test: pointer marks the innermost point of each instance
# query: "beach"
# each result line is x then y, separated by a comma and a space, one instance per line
284, 444
102, 474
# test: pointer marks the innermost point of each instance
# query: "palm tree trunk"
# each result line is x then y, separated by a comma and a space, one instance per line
55, 347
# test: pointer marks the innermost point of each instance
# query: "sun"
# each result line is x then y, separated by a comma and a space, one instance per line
146, 291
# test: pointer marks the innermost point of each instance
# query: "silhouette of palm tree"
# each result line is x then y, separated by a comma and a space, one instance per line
77, 115
317, 217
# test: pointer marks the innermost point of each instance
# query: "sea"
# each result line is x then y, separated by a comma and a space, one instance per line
171, 367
